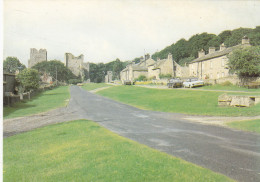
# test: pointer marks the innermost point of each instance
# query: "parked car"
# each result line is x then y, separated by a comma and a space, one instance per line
174, 83
193, 82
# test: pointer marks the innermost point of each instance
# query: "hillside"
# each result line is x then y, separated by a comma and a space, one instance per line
187, 50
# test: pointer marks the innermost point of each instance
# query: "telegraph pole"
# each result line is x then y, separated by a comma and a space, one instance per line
56, 75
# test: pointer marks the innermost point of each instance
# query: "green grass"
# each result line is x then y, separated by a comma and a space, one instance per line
83, 151
93, 86
251, 125
42, 102
228, 88
178, 101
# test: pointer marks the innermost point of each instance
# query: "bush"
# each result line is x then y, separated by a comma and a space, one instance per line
28, 79
141, 78
165, 76
74, 81
226, 83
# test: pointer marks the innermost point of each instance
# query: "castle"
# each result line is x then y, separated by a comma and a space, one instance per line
76, 64
37, 56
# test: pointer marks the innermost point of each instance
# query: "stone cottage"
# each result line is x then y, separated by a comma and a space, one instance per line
213, 66
153, 69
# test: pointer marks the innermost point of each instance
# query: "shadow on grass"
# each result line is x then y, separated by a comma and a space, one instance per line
24, 104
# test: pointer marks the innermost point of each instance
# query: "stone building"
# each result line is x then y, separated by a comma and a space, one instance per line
37, 56
213, 66
133, 71
109, 77
76, 64
153, 69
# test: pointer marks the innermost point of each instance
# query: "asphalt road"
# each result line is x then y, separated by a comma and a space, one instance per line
233, 153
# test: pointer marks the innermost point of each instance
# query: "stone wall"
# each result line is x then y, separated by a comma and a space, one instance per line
37, 56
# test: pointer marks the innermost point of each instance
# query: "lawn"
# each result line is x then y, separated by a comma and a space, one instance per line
84, 151
93, 86
177, 101
229, 88
251, 125
44, 101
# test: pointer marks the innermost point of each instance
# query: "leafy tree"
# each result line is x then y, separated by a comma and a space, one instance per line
245, 62
184, 61
11, 64
28, 79
50, 67
236, 36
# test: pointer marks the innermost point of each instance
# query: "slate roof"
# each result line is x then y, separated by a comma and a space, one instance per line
159, 63
219, 53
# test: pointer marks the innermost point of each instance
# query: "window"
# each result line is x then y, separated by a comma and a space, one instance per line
223, 74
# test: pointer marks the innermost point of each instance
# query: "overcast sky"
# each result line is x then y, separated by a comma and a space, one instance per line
104, 30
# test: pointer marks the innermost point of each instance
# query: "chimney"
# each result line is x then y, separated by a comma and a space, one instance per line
222, 47
147, 56
169, 56
245, 40
211, 50
201, 53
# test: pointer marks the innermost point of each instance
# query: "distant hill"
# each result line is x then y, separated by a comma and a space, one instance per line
184, 51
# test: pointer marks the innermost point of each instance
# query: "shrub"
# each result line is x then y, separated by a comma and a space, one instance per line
141, 78
28, 79
74, 81
165, 76
226, 83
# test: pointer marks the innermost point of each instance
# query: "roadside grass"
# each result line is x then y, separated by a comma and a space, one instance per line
84, 151
42, 102
93, 86
177, 101
250, 125
229, 88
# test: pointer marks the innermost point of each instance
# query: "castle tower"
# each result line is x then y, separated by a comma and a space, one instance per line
37, 56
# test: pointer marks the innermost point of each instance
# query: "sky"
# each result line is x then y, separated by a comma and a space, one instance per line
104, 30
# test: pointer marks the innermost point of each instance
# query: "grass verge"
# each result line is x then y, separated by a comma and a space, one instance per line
93, 86
251, 125
83, 151
228, 88
42, 102
178, 101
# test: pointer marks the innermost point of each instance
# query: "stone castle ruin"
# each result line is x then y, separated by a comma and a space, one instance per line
37, 56
76, 64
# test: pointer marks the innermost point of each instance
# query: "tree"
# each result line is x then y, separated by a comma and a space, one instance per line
245, 62
50, 67
11, 64
28, 79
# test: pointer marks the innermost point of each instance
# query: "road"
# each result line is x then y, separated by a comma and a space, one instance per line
233, 153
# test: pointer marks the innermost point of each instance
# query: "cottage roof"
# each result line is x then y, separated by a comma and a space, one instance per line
219, 53
139, 68
159, 63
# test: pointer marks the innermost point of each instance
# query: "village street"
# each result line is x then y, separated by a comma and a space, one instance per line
233, 153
